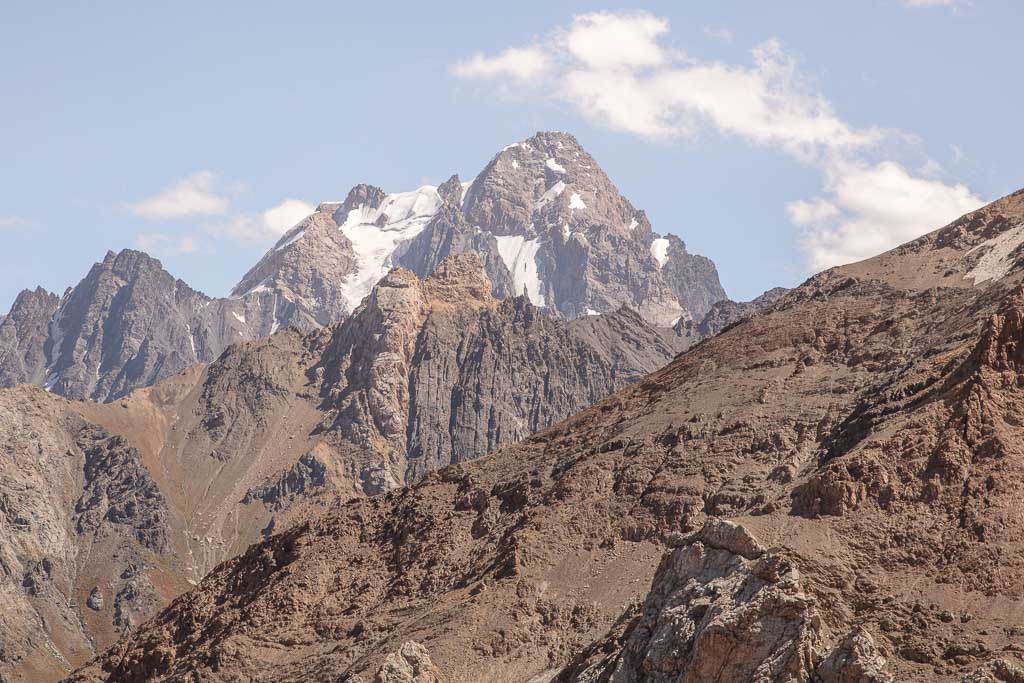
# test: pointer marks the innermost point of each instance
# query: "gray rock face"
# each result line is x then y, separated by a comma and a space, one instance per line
301, 276
23, 334
127, 324
433, 372
550, 223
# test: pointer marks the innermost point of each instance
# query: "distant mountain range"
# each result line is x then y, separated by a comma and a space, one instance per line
542, 215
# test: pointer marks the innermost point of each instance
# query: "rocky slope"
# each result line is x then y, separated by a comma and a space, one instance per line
127, 324
176, 478
862, 436
722, 314
542, 215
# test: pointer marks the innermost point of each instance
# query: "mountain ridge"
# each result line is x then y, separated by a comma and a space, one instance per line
542, 215
828, 487
218, 456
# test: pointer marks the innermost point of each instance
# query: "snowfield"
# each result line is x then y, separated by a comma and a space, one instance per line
405, 215
520, 257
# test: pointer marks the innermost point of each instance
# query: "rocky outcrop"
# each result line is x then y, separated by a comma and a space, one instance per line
722, 607
23, 335
434, 372
411, 664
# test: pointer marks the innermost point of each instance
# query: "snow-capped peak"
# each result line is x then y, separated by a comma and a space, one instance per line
376, 232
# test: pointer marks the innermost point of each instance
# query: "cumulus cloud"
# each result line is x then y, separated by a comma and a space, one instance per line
616, 70
195, 195
519, 64
870, 208
203, 194
161, 244
265, 226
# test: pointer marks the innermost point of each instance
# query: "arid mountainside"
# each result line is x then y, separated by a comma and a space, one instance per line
109, 510
722, 314
829, 490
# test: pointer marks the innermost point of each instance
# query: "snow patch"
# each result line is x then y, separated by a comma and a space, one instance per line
553, 165
239, 318
291, 240
659, 250
996, 262
576, 202
591, 311
515, 164
550, 195
633, 224
520, 257
405, 215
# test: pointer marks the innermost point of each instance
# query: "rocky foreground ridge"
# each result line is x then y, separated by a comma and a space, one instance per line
829, 491
108, 511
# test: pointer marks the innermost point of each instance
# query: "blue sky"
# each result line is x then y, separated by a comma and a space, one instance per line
180, 129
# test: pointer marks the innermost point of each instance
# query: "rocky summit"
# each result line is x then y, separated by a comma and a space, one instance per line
108, 511
544, 218
827, 490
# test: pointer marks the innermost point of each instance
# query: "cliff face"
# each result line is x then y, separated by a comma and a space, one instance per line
117, 507
828, 490
127, 324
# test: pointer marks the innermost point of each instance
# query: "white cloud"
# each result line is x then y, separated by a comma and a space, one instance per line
958, 154
160, 244
869, 209
286, 215
263, 227
614, 70
608, 40
191, 196
722, 33
519, 64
